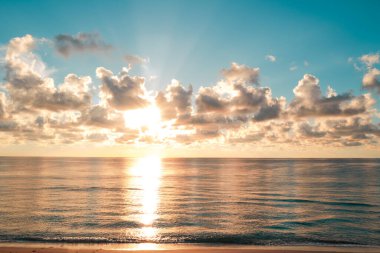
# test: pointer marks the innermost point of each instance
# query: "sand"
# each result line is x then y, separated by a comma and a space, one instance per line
60, 248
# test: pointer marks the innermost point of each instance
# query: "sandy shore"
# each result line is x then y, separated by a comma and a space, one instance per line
60, 248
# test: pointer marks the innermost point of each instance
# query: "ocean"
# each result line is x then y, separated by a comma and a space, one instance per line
192, 200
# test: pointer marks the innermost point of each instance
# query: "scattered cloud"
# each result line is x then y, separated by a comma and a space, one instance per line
371, 80
371, 77
293, 68
370, 59
356, 66
270, 58
136, 60
66, 45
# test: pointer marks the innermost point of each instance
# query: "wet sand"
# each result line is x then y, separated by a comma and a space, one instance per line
59, 248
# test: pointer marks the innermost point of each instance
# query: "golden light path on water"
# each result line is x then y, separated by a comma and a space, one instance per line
146, 174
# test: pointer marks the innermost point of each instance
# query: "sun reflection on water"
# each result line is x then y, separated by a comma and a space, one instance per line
146, 175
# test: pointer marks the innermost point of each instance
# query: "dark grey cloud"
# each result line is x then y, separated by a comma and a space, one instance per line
7, 125
208, 100
67, 45
71, 95
269, 111
122, 92
102, 117
175, 102
353, 127
311, 131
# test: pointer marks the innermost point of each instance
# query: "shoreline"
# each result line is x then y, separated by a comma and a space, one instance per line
37, 247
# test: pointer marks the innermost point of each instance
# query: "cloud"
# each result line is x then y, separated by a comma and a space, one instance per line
242, 101
3, 109
175, 102
235, 110
209, 100
239, 74
235, 96
371, 80
71, 95
102, 117
7, 125
309, 101
352, 143
371, 77
30, 88
23, 69
370, 59
270, 58
354, 127
97, 137
293, 68
136, 60
66, 45
356, 66
331, 92
122, 92
270, 110
310, 131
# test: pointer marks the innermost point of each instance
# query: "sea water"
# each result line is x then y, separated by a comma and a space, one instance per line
193, 200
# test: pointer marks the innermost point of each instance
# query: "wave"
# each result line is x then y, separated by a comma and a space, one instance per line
260, 238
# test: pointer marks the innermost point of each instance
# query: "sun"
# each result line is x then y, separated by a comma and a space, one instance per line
144, 118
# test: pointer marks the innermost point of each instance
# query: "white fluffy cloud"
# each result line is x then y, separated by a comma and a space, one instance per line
309, 101
241, 74
236, 97
371, 80
30, 88
370, 59
3, 109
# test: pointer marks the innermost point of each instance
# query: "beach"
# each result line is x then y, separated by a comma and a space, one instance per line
62, 248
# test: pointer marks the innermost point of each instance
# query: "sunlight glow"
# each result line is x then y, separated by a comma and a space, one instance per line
146, 246
147, 172
148, 118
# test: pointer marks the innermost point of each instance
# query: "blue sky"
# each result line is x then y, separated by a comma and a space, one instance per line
193, 40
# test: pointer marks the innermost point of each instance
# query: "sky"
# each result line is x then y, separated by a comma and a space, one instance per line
190, 78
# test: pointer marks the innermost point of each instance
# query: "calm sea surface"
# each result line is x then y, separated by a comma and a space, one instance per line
237, 201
